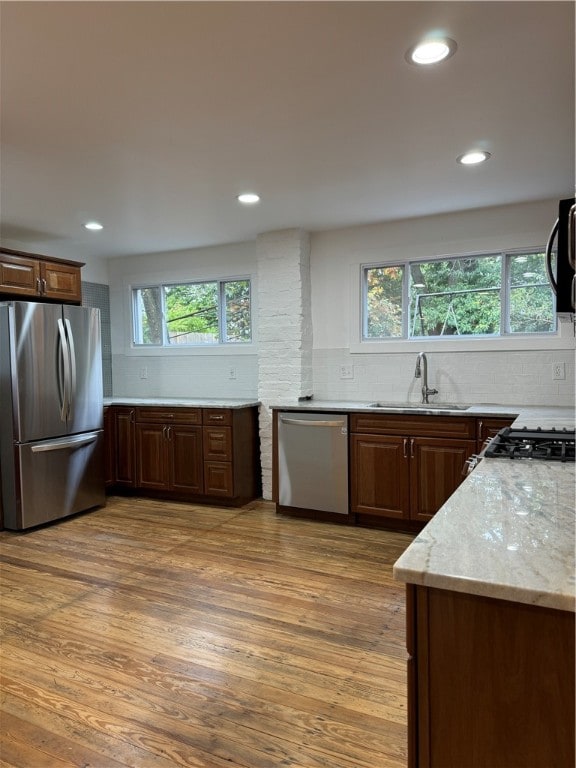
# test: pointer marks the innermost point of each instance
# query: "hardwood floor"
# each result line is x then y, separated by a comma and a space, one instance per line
154, 634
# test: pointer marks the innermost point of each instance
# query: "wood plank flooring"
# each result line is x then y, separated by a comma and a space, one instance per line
154, 634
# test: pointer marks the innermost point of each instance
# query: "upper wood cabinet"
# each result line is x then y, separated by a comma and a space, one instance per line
30, 276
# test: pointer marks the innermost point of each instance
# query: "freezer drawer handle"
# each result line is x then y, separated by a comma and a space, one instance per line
302, 423
72, 442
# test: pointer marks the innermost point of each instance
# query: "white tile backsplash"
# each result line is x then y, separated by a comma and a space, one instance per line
186, 376
518, 378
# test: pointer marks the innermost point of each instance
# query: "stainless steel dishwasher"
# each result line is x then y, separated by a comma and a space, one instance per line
313, 461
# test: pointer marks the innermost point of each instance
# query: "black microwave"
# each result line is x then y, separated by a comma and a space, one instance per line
563, 282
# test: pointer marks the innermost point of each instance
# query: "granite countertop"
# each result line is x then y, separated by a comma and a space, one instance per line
507, 532
530, 416
182, 402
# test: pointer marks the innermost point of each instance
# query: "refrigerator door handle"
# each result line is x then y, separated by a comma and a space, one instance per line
64, 364
72, 356
68, 442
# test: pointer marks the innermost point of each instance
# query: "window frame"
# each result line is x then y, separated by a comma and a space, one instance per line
165, 346
504, 289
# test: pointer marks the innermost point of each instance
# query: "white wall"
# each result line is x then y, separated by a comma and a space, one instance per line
187, 372
499, 371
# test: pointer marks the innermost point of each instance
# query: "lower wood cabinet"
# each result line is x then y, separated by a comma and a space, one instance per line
109, 451
489, 427
490, 682
189, 453
169, 457
407, 475
124, 447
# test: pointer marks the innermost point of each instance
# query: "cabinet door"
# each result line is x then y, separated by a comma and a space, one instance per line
19, 275
152, 456
186, 458
61, 281
109, 447
380, 476
435, 472
218, 478
124, 446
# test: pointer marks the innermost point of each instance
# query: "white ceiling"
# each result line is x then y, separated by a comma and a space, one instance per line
152, 116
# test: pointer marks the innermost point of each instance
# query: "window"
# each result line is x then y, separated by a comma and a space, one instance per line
492, 295
209, 312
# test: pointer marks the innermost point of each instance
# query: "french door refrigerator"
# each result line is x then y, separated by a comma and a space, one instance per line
51, 438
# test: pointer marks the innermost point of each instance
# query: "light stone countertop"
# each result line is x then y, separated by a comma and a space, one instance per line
530, 416
181, 402
507, 532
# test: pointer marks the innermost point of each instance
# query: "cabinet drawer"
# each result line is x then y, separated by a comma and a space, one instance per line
408, 424
490, 426
217, 443
217, 416
158, 414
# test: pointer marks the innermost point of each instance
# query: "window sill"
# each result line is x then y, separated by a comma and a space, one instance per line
563, 339
209, 350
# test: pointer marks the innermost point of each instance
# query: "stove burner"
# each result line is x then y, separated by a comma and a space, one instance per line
547, 444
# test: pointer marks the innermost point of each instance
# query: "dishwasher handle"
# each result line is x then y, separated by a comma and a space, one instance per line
308, 423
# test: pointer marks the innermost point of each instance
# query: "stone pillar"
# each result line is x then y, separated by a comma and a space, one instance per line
284, 330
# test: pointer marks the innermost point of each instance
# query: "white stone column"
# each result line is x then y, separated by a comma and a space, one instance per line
284, 330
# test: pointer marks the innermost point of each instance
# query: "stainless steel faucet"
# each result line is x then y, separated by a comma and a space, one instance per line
422, 372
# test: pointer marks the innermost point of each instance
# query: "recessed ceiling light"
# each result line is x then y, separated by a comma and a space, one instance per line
431, 51
248, 198
93, 226
473, 158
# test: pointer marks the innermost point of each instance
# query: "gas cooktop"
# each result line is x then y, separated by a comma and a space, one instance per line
546, 444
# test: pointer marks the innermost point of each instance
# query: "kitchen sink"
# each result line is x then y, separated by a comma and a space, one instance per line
422, 407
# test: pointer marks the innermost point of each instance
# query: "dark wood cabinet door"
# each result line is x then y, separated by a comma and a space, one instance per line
380, 476
124, 443
185, 444
152, 457
435, 472
19, 276
61, 281
494, 684
218, 478
109, 447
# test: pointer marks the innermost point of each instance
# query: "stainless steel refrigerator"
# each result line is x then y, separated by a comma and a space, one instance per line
51, 438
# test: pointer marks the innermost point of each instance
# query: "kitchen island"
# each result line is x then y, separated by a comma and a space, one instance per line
490, 618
